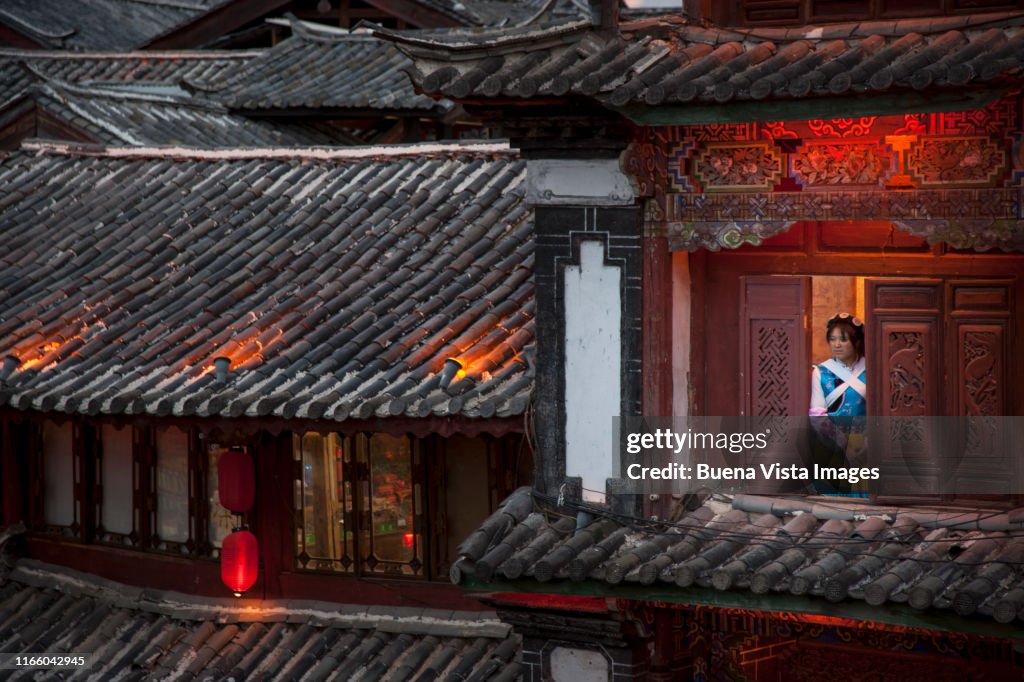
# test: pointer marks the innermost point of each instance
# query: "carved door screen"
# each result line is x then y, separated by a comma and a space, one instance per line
774, 345
774, 367
941, 347
936, 347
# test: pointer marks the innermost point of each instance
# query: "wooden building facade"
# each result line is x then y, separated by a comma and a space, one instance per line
717, 191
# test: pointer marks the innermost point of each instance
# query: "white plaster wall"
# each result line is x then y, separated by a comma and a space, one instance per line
681, 327
593, 367
590, 182
577, 665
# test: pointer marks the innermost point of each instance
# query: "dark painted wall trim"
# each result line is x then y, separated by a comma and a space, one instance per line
560, 232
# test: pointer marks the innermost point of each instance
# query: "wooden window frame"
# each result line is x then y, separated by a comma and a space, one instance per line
195, 545
357, 472
87, 458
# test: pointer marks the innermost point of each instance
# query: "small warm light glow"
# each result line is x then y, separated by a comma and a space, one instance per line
460, 374
239, 561
245, 349
51, 351
408, 539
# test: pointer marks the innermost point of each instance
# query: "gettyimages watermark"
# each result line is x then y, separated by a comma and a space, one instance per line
890, 456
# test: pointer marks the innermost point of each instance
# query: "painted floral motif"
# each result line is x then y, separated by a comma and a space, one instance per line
738, 166
955, 161
841, 164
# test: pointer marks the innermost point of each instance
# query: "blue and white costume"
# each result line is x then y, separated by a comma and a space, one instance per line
839, 391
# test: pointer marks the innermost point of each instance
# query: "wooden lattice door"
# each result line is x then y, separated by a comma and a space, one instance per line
941, 347
774, 345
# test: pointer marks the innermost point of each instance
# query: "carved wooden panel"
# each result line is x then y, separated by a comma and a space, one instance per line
980, 364
905, 377
772, 373
979, 316
773, 346
905, 355
982, 452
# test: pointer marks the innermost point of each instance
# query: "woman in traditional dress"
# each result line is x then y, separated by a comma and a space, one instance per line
839, 400
838, 385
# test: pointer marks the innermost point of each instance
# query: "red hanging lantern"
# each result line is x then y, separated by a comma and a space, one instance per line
236, 480
238, 561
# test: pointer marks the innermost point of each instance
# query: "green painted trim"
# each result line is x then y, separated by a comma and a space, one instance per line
889, 613
804, 109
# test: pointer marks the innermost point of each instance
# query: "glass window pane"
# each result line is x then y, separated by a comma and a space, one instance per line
117, 472
172, 485
393, 503
222, 521
58, 475
322, 541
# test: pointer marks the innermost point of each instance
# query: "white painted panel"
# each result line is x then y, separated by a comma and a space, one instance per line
591, 182
172, 484
575, 665
593, 367
116, 510
58, 475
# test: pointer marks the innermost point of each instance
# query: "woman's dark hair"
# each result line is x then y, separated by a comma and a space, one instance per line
853, 330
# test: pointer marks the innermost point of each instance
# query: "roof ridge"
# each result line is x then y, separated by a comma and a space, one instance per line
41, 147
443, 622
463, 39
84, 90
42, 55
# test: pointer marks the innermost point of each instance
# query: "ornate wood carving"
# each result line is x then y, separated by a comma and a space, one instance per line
947, 177
981, 360
730, 643
955, 161
820, 164
771, 374
922, 206
738, 166
773, 344
906, 363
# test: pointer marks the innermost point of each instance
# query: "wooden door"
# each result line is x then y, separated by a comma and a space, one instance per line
775, 367
905, 383
980, 358
941, 347
774, 345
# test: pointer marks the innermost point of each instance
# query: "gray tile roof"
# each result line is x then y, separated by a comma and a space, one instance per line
158, 68
118, 116
966, 562
100, 24
317, 70
667, 61
338, 282
132, 633
508, 12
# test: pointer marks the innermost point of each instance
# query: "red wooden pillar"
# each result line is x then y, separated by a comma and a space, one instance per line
273, 511
657, 332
